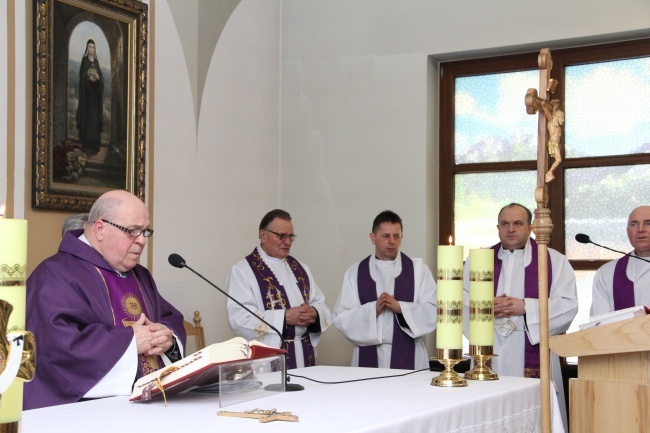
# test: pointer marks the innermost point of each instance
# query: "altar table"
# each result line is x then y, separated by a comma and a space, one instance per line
407, 404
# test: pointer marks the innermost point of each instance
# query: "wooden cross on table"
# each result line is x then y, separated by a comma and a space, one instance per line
262, 415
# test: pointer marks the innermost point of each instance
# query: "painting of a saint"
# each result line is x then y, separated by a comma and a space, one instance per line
90, 108
93, 140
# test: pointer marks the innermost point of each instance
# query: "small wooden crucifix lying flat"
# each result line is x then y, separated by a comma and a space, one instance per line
262, 415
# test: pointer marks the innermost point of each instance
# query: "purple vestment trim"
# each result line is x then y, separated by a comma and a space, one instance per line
278, 300
402, 354
127, 302
531, 290
622, 286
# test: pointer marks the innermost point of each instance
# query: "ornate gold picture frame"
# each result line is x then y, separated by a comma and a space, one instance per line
90, 80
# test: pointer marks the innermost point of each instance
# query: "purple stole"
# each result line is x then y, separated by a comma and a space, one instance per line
127, 302
278, 300
402, 354
622, 286
531, 290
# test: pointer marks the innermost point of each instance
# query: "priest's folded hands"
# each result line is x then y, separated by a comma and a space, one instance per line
304, 315
152, 339
507, 306
388, 301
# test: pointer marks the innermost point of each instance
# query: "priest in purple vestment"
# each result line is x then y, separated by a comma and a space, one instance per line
625, 282
388, 303
100, 322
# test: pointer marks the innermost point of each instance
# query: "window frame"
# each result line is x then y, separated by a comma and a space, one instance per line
562, 58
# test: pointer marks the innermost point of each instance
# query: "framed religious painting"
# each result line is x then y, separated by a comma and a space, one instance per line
90, 80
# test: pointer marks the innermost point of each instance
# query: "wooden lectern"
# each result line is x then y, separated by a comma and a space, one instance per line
612, 391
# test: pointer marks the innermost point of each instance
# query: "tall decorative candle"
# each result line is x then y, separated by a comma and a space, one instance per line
449, 329
13, 274
481, 297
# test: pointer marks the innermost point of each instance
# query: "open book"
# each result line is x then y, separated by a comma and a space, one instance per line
615, 316
199, 369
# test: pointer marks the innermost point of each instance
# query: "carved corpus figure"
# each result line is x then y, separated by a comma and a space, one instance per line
554, 122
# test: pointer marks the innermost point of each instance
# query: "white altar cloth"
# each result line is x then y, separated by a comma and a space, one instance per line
407, 404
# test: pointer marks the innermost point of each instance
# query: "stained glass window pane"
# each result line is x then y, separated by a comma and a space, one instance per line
606, 107
478, 199
491, 123
598, 202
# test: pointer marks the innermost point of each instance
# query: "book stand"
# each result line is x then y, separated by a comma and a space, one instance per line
250, 379
612, 391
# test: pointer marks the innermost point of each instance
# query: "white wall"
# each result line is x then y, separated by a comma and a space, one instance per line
213, 185
359, 111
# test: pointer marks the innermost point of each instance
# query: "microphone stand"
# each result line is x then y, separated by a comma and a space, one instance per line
588, 240
621, 252
178, 262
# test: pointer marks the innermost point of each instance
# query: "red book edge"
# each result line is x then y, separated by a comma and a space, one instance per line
257, 352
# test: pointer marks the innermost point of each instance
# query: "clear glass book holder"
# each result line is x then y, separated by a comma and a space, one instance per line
250, 380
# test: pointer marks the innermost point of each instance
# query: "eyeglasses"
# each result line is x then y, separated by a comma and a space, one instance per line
147, 233
283, 236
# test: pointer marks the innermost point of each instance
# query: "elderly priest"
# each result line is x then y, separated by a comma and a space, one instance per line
99, 320
625, 282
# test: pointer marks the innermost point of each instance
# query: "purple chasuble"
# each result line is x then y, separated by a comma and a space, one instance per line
127, 302
531, 290
623, 287
70, 313
402, 353
276, 298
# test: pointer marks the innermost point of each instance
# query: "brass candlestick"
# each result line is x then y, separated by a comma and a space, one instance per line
449, 377
481, 355
14, 341
23, 344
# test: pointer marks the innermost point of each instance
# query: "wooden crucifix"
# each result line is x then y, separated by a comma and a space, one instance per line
553, 115
549, 130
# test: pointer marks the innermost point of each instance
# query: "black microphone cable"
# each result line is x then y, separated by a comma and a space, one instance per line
359, 380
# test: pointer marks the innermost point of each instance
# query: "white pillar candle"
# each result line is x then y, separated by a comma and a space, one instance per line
449, 329
481, 297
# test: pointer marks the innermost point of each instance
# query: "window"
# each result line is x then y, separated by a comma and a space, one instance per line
488, 147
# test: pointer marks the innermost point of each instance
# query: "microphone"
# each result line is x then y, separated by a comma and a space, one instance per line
585, 239
178, 262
